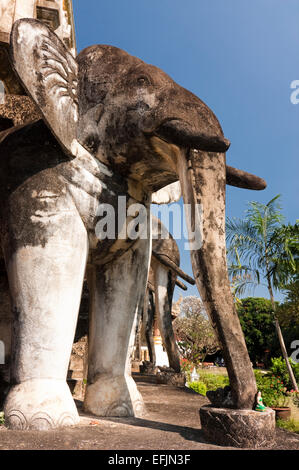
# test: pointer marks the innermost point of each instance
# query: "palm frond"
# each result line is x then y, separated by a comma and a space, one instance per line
260, 246
265, 217
241, 235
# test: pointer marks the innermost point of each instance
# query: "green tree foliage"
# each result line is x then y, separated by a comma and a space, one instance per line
262, 249
288, 314
285, 257
195, 335
288, 311
278, 369
256, 318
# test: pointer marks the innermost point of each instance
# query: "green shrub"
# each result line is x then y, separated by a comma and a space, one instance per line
207, 380
186, 367
1, 418
213, 381
198, 387
294, 397
272, 389
279, 369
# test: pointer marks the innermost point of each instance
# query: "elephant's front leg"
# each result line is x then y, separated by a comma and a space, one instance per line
45, 256
117, 290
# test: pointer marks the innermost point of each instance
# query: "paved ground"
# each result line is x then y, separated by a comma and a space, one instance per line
172, 423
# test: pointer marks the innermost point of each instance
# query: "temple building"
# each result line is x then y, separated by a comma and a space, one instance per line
57, 14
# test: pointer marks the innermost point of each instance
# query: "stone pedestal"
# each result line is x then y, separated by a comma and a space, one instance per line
238, 428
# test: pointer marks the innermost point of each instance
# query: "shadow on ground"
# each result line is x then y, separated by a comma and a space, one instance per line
171, 423
185, 432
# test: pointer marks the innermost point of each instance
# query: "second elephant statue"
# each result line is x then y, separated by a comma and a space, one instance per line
163, 277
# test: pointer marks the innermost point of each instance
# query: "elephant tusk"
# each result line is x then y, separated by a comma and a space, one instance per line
170, 264
242, 179
181, 284
150, 286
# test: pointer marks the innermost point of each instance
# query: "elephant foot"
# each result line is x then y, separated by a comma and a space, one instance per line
114, 396
40, 404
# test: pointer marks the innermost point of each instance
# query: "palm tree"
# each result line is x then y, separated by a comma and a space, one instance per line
263, 251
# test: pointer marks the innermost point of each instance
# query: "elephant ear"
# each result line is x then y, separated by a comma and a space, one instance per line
168, 194
48, 73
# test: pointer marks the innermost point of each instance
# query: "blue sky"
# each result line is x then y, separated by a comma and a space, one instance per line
240, 57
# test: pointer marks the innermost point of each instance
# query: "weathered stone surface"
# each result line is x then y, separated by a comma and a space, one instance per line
4, 389
40, 404
56, 14
76, 364
238, 428
77, 372
44, 92
7, 75
81, 334
167, 375
221, 398
119, 127
203, 175
172, 424
148, 367
234, 177
135, 366
158, 304
163, 375
19, 110
5, 330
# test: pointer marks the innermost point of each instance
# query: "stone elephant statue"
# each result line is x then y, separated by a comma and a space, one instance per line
114, 131
163, 277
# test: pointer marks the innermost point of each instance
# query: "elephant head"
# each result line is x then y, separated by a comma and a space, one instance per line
135, 119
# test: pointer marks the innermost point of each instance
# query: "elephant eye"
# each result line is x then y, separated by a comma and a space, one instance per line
143, 80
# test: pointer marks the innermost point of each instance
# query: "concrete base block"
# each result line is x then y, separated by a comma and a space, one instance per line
238, 428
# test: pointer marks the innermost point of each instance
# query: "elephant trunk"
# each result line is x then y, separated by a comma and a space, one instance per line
203, 180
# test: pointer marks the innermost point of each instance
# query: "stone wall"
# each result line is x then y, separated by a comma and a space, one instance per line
57, 14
